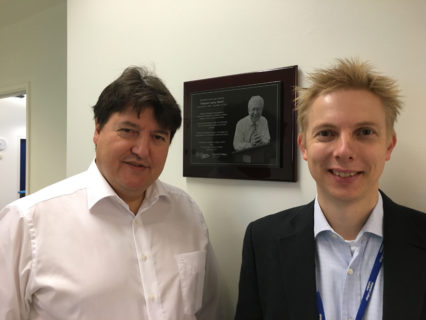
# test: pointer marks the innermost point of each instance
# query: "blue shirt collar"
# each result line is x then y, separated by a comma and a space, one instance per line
374, 223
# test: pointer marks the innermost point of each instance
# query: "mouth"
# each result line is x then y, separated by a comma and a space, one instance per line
344, 174
135, 164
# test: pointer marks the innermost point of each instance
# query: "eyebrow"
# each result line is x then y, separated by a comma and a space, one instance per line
135, 126
130, 124
367, 124
359, 124
323, 126
162, 131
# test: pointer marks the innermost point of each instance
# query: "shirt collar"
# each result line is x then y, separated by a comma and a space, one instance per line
153, 193
374, 223
98, 189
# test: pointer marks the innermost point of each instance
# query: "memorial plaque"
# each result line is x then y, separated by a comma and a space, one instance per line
241, 126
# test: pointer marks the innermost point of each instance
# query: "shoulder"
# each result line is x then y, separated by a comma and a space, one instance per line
180, 206
403, 227
59, 189
392, 208
177, 197
243, 120
263, 119
403, 218
292, 219
172, 191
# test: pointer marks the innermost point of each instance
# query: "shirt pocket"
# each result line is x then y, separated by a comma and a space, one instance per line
191, 267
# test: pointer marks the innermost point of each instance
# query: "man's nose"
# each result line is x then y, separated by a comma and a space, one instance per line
141, 146
345, 147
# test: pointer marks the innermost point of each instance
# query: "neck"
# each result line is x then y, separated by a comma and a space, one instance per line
134, 203
347, 218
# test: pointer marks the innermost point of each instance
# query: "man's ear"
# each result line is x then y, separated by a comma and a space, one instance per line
96, 133
391, 145
302, 145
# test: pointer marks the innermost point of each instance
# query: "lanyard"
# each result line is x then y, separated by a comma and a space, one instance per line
367, 292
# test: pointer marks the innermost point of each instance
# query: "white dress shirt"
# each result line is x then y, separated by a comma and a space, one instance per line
244, 131
74, 250
343, 267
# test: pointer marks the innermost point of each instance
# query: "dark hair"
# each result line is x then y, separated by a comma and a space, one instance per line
137, 88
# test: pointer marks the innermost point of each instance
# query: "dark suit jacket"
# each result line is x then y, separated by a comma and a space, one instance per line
277, 279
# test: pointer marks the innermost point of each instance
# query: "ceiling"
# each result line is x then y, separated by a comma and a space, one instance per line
12, 11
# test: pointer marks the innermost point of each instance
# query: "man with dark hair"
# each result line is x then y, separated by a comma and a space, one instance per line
352, 253
113, 242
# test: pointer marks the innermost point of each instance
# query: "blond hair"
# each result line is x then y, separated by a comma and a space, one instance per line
349, 74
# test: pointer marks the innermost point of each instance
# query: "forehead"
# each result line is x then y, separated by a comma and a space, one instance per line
129, 116
256, 106
346, 107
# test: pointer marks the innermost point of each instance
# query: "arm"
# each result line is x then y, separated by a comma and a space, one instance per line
248, 305
210, 309
239, 143
15, 265
262, 136
265, 134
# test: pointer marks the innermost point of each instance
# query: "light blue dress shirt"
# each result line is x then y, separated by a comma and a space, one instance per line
343, 267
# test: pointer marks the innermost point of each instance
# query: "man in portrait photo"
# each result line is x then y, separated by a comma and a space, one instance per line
252, 130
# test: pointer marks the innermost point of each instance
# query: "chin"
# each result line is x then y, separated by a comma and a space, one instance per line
346, 195
134, 186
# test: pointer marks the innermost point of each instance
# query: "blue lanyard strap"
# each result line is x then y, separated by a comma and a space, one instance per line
367, 292
321, 313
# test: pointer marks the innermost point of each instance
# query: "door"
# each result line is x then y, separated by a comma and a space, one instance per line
22, 167
12, 160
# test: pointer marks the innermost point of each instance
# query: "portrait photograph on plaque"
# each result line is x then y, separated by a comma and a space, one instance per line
241, 126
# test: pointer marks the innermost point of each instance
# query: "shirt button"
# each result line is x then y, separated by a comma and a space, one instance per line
350, 271
151, 297
144, 257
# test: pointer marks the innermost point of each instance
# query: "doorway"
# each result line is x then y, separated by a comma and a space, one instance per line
22, 168
13, 146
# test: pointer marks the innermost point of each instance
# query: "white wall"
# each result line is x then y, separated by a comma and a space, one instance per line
12, 128
190, 39
33, 57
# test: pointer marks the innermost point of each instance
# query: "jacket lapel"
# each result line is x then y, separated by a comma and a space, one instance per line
297, 263
404, 263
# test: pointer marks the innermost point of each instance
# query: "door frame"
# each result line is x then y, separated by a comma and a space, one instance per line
14, 90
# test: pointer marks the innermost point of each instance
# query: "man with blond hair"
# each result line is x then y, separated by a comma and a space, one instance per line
352, 253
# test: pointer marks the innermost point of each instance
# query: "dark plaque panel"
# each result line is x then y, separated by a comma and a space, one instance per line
219, 116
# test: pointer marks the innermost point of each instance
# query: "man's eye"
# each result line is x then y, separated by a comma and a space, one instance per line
159, 138
127, 132
365, 132
324, 133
